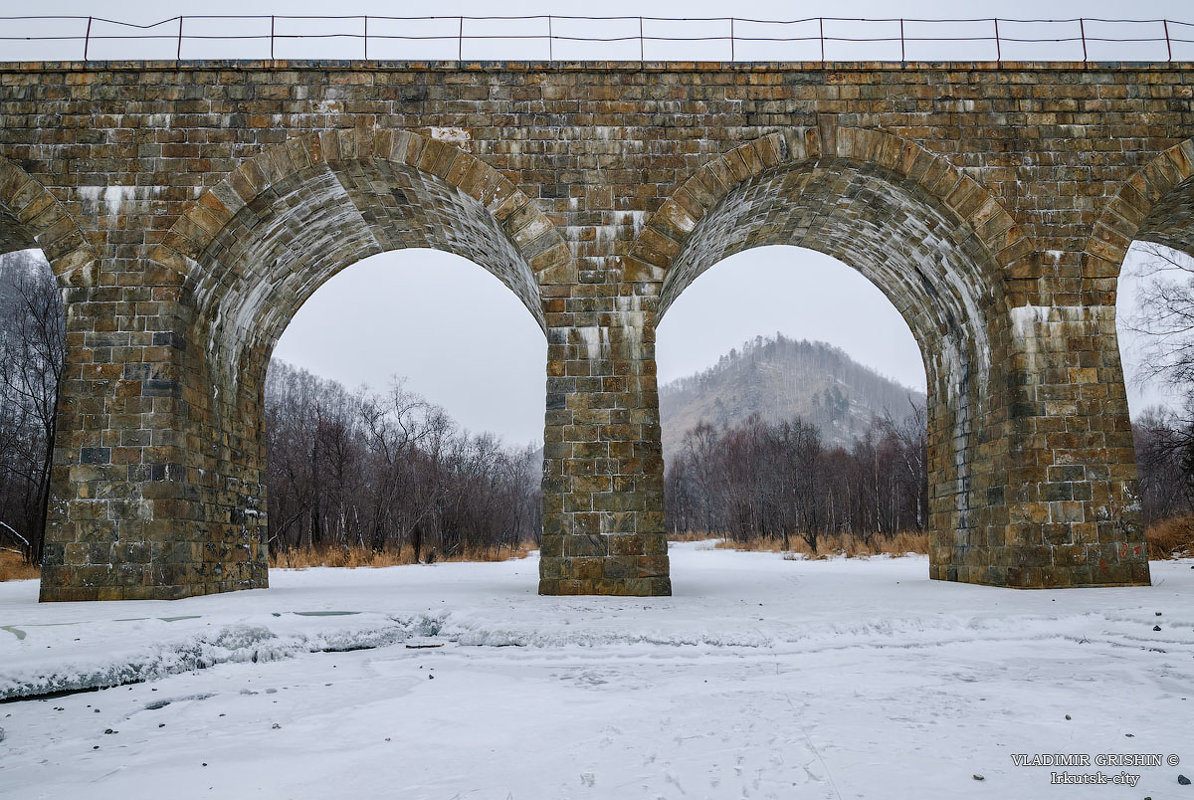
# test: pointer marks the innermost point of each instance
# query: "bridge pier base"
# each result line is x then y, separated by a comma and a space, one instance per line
1059, 508
603, 523
156, 489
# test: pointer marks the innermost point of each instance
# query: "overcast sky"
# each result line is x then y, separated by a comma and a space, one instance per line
382, 317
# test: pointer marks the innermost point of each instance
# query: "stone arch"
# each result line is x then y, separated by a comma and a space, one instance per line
930, 237
31, 217
967, 200
1155, 205
250, 252
299, 211
954, 212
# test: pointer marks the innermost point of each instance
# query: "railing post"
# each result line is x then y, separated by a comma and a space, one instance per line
1168, 44
178, 55
271, 37
460, 42
366, 37
1082, 33
821, 28
903, 58
731, 38
642, 46
998, 49
550, 41
87, 39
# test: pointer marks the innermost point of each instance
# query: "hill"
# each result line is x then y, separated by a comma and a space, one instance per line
779, 378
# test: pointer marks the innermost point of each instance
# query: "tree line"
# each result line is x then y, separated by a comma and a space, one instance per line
763, 480
779, 481
32, 351
1163, 319
1165, 462
388, 472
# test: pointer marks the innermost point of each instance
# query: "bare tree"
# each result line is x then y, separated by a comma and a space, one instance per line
1164, 457
1164, 315
911, 437
386, 470
700, 449
762, 480
404, 430
32, 351
802, 443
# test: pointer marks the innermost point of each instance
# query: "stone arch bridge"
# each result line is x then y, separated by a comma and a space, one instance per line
189, 209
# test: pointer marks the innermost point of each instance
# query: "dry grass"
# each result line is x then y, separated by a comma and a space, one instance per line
830, 545
14, 568
353, 557
1171, 538
690, 536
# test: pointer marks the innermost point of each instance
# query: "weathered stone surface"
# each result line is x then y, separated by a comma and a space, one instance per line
190, 209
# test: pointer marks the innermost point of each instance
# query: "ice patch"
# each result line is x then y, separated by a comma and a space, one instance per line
451, 134
635, 220
160, 704
633, 319
112, 198
234, 643
90, 196
592, 337
116, 196
1025, 318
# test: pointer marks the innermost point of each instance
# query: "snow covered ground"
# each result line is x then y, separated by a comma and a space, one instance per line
759, 678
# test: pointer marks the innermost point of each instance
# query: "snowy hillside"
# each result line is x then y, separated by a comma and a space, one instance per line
779, 379
760, 678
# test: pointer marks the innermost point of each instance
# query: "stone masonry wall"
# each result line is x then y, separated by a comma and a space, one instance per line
188, 209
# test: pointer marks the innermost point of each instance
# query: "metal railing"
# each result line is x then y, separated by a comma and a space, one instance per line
534, 37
